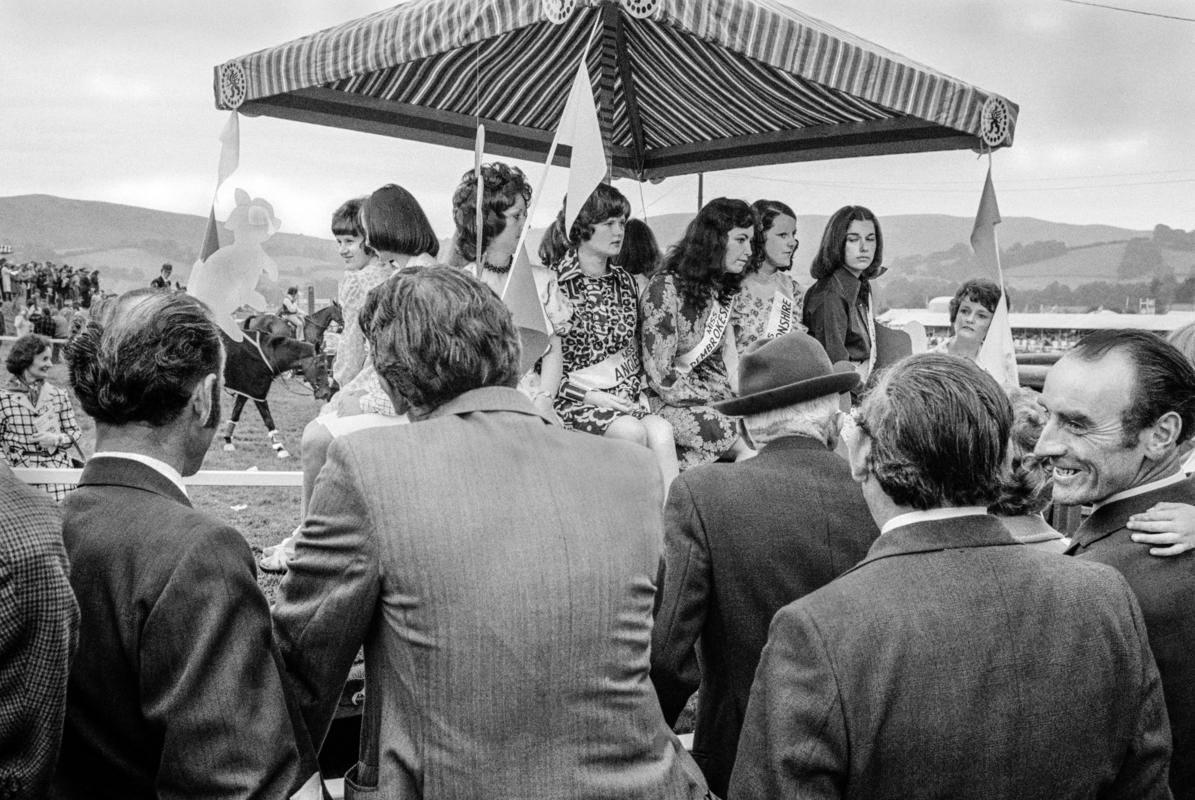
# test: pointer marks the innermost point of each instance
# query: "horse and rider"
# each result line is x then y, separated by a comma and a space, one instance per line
290, 321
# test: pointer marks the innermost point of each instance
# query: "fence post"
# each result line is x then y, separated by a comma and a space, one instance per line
310, 299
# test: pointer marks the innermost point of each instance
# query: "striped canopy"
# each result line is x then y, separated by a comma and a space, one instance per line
681, 86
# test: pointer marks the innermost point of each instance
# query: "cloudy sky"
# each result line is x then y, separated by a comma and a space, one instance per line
113, 101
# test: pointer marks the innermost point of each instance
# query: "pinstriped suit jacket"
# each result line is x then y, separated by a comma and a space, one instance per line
500, 572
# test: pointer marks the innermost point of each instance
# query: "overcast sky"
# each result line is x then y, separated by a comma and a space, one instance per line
113, 101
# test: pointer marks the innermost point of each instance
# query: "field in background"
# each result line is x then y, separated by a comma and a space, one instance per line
263, 515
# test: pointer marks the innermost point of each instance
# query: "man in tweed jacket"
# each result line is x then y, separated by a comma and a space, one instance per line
952, 662
38, 629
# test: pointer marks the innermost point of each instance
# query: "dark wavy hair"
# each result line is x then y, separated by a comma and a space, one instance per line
141, 361
502, 186
696, 260
1165, 379
977, 290
766, 212
640, 255
24, 350
939, 430
1025, 484
438, 332
831, 254
605, 202
394, 222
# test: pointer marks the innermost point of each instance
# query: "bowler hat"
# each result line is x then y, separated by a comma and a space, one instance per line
786, 370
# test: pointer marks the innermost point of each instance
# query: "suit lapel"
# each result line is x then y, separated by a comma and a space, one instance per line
116, 471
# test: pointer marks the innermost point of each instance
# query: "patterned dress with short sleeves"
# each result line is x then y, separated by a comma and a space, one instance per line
670, 326
754, 303
605, 323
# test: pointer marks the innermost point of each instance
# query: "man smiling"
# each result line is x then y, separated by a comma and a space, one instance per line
1120, 403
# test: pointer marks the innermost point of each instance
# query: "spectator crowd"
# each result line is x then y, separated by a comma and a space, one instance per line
704, 477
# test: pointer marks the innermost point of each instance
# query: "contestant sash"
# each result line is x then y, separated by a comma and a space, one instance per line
781, 319
711, 338
610, 371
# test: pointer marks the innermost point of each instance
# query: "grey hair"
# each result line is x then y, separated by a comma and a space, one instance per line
140, 361
812, 418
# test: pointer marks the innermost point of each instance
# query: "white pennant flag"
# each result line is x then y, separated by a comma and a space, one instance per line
579, 129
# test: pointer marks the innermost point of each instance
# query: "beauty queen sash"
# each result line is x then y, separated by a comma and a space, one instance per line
781, 319
610, 371
711, 339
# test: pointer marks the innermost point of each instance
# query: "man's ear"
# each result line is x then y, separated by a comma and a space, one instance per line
1161, 437
205, 399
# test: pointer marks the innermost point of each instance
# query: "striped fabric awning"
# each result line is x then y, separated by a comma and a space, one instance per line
681, 86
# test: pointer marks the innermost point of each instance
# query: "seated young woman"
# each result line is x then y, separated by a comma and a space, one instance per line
686, 332
602, 370
504, 197
770, 300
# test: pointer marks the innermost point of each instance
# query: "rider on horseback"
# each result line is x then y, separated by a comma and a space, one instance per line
291, 312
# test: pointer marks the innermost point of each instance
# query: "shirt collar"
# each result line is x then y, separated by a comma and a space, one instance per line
161, 467
1160, 483
933, 514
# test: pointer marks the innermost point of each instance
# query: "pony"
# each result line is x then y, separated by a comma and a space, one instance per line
250, 367
314, 325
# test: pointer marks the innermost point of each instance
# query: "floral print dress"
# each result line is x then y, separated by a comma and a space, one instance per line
605, 323
670, 326
753, 307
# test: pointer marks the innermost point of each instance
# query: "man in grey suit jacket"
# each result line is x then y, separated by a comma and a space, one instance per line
952, 662
743, 540
176, 691
1120, 403
497, 568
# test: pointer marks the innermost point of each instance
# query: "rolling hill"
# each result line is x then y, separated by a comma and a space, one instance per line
128, 244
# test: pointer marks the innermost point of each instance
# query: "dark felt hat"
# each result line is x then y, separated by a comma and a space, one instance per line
786, 370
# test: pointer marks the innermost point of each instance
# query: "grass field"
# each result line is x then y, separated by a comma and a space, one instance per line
263, 515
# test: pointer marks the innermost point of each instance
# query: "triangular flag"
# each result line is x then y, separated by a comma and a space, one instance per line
579, 129
997, 356
230, 148
230, 159
983, 235
521, 296
211, 236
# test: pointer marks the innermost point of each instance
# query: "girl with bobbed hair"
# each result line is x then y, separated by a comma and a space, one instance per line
971, 312
839, 311
771, 300
1025, 485
686, 333
600, 392
505, 196
394, 228
37, 421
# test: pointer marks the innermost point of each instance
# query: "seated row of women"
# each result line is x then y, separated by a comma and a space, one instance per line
638, 350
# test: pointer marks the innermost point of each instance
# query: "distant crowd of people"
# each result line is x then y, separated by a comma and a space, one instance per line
51, 284
705, 478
